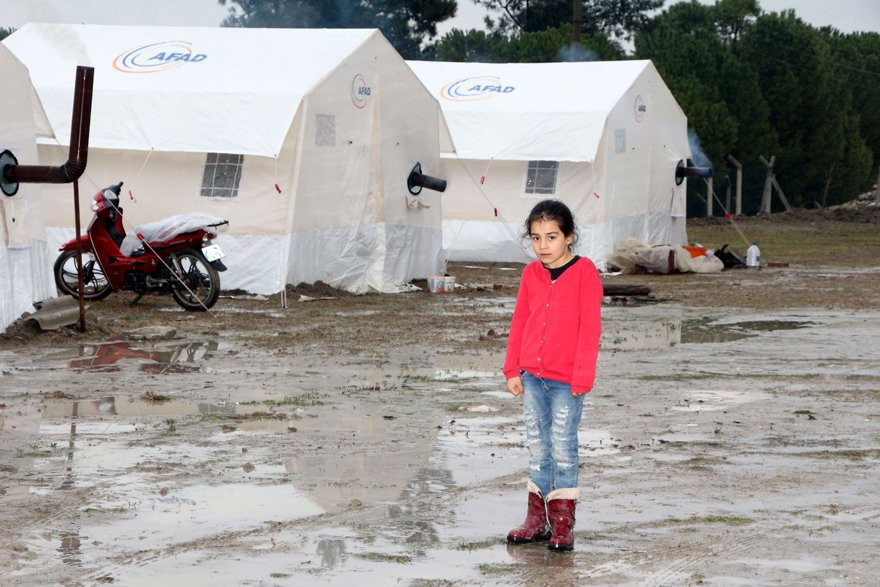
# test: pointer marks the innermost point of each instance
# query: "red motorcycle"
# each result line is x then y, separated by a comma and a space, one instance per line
173, 256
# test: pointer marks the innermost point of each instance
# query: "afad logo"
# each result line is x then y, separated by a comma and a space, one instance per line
474, 88
360, 91
157, 57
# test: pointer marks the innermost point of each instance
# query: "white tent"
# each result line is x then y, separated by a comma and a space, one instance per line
603, 137
25, 267
302, 138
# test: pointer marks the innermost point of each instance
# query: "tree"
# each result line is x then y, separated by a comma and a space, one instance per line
819, 142
617, 19
719, 93
4, 32
855, 59
733, 18
538, 47
407, 24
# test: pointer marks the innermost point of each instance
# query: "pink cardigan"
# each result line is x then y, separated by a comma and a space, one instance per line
554, 333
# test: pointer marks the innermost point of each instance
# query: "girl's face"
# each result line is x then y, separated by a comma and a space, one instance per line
550, 245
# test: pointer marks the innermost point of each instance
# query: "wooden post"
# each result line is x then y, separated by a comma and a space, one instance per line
781, 194
877, 187
768, 183
739, 181
710, 195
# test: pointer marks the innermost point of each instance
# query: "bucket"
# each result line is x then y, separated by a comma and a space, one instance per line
441, 283
436, 283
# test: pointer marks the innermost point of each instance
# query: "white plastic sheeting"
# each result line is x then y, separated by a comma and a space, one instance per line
325, 124
612, 130
168, 228
630, 252
25, 271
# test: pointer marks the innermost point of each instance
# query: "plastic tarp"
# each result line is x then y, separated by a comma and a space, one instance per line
630, 253
171, 227
25, 270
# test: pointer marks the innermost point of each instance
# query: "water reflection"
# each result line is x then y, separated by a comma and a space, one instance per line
331, 551
70, 548
179, 359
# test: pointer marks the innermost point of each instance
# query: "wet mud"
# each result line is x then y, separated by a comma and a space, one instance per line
368, 440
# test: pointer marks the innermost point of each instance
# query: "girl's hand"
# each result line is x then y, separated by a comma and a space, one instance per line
515, 386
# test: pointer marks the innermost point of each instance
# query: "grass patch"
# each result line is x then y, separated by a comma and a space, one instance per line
279, 575
728, 520
855, 455
33, 451
221, 417
498, 568
381, 557
430, 379
487, 543
849, 242
302, 400
703, 461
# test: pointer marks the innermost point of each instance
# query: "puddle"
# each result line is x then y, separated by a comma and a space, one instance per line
703, 330
639, 336
712, 400
177, 515
159, 360
126, 407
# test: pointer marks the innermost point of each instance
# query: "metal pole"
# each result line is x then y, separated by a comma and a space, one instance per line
79, 263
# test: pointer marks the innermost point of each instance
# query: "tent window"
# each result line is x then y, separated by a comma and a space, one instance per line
325, 130
619, 140
222, 175
541, 177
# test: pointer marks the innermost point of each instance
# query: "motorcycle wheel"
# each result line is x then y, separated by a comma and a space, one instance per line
202, 280
95, 283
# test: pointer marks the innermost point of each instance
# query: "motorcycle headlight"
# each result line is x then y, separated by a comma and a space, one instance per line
94, 206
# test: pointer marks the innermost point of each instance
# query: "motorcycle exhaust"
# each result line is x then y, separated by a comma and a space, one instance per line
12, 174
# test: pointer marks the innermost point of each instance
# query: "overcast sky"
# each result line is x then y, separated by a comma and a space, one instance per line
846, 15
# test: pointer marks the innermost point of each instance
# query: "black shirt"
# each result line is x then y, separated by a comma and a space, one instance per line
556, 272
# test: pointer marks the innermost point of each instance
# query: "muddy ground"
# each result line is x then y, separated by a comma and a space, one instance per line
733, 437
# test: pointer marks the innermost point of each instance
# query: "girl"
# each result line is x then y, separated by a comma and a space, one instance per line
551, 362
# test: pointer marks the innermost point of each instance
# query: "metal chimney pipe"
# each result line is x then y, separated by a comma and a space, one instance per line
77, 156
682, 171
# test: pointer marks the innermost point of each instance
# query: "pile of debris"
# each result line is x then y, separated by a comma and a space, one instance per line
867, 200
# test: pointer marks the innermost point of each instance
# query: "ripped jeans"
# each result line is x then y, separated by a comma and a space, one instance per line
552, 416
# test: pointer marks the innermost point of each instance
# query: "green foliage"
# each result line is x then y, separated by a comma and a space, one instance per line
812, 113
4, 32
610, 18
407, 24
769, 84
539, 47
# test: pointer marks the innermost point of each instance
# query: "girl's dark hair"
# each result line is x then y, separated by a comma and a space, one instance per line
556, 211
